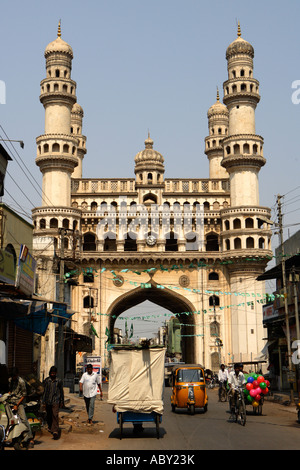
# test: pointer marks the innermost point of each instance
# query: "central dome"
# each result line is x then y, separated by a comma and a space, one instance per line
149, 155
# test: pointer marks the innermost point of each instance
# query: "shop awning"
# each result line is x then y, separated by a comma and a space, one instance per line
34, 315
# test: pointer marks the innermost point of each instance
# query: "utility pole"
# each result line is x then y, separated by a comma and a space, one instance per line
286, 308
60, 345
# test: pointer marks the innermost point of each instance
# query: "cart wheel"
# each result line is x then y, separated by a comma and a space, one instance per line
157, 426
121, 425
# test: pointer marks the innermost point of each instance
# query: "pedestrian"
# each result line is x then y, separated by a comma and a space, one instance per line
88, 385
17, 390
53, 399
222, 378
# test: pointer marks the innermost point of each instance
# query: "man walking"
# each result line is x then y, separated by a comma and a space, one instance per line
88, 385
222, 378
53, 399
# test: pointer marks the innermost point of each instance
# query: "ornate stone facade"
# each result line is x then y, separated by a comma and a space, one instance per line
198, 243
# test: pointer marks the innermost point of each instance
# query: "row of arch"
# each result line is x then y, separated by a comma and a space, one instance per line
57, 148
238, 244
58, 87
246, 148
244, 87
105, 207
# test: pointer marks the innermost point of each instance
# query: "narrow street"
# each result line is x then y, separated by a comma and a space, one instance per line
276, 429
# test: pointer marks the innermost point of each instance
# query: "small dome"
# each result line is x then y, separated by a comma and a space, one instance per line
217, 108
239, 46
77, 109
149, 154
59, 45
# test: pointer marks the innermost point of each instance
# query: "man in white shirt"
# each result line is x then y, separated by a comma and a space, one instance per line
88, 385
222, 378
236, 378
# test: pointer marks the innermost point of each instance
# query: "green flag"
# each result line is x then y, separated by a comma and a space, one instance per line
93, 330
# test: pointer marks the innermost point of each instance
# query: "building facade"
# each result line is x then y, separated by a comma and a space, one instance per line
193, 246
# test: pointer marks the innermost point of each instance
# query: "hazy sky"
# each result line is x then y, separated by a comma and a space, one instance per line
152, 65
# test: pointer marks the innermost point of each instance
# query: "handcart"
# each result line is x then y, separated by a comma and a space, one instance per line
137, 419
136, 385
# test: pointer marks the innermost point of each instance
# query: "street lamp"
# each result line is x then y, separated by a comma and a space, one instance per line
9, 140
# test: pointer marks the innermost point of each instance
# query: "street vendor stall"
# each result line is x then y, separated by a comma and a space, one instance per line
136, 385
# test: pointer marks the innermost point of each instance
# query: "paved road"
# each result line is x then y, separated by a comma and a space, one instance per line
276, 429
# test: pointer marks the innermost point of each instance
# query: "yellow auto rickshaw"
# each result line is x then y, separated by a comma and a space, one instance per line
188, 388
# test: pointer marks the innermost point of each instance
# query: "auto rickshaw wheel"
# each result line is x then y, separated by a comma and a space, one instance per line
192, 409
173, 407
205, 408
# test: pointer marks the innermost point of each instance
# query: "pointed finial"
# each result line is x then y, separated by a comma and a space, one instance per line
239, 33
218, 96
59, 29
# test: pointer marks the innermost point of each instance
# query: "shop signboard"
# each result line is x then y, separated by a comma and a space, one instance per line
26, 271
7, 267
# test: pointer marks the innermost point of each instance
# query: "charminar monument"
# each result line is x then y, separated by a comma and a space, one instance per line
193, 246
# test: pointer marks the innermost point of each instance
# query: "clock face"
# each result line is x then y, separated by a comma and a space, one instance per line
151, 240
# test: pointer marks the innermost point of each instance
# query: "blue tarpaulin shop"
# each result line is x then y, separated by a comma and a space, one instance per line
34, 315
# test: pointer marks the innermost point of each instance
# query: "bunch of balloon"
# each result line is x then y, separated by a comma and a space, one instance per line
256, 388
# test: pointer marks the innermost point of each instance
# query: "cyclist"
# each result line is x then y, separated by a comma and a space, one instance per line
236, 379
222, 378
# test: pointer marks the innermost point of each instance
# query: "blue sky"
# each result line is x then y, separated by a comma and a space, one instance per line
152, 65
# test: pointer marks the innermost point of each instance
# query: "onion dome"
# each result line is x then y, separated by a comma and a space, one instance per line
217, 108
149, 155
239, 46
59, 45
77, 109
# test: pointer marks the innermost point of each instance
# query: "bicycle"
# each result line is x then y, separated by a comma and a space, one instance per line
239, 406
223, 392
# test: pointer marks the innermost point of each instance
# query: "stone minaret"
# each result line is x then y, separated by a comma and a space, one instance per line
218, 130
56, 222
245, 232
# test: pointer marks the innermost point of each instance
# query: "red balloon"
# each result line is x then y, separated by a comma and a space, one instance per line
268, 383
265, 391
255, 384
258, 397
249, 386
260, 379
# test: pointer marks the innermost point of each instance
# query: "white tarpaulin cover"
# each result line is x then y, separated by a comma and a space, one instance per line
136, 380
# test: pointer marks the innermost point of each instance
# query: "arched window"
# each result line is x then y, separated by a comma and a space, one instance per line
214, 329
261, 243
250, 242
89, 242
130, 242
42, 223
213, 276
236, 224
249, 223
237, 244
227, 225
214, 301
227, 244
171, 242
94, 206
212, 242
55, 148
110, 243
88, 302
66, 223
53, 223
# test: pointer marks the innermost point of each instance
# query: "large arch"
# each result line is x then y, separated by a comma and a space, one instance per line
167, 299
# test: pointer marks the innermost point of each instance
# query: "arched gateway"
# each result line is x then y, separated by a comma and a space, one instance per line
192, 245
